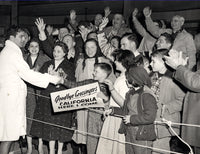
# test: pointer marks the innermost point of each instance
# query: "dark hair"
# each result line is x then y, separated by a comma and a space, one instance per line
62, 45
13, 30
104, 66
98, 53
168, 38
131, 37
126, 57
86, 24
160, 53
32, 40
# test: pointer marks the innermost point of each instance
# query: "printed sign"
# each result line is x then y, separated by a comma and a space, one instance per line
77, 98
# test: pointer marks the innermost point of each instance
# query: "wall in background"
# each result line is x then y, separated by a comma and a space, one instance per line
54, 12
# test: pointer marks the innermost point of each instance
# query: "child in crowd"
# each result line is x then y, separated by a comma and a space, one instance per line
44, 110
94, 121
84, 71
35, 60
92, 55
123, 59
170, 99
138, 111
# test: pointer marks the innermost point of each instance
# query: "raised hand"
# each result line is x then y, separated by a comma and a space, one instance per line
135, 12
40, 24
175, 61
107, 11
147, 11
103, 23
83, 32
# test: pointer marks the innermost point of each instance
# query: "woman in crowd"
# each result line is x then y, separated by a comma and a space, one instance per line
92, 55
84, 71
35, 60
44, 111
123, 59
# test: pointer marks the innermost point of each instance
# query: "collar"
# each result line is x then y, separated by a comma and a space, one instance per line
168, 73
13, 45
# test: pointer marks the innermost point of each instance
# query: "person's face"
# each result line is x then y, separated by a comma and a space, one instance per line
119, 66
98, 19
176, 23
58, 53
115, 43
62, 33
93, 36
127, 45
162, 43
99, 74
157, 64
20, 39
33, 48
68, 40
91, 49
117, 20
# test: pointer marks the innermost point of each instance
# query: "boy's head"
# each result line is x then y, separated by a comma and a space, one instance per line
157, 62
101, 71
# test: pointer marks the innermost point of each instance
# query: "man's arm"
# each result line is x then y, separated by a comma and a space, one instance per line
189, 79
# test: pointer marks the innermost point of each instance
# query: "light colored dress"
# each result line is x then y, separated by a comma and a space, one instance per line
112, 124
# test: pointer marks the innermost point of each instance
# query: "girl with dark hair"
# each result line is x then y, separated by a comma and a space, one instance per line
44, 110
138, 111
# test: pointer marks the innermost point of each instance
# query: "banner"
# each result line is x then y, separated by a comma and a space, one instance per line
77, 98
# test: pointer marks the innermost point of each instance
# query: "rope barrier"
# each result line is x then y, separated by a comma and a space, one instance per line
99, 136
169, 123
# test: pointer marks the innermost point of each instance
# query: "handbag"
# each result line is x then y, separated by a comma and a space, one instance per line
145, 132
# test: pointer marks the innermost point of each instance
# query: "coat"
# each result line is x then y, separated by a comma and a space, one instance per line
13, 91
44, 110
191, 106
170, 95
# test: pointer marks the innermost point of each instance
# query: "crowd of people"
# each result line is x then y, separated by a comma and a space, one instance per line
141, 82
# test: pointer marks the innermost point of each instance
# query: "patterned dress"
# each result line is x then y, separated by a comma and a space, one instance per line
44, 110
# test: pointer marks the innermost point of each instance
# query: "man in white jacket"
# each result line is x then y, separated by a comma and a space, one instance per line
13, 72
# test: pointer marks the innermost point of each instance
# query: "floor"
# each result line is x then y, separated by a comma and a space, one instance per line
15, 149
